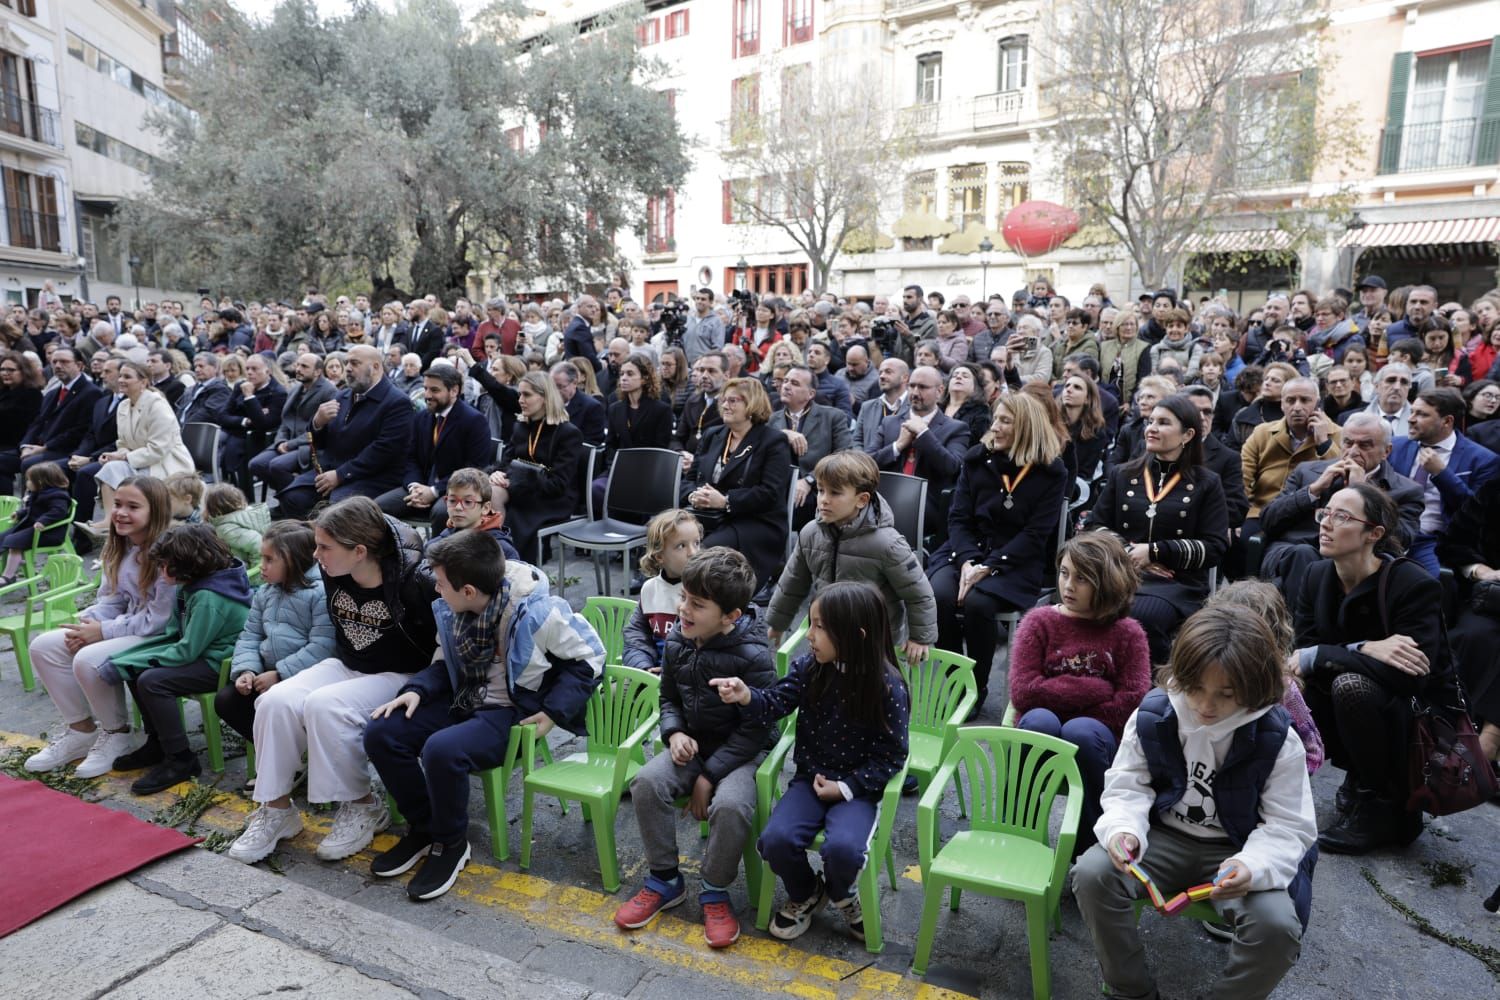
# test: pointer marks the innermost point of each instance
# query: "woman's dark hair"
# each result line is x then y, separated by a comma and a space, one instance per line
855, 617
190, 552
294, 543
1473, 389
1380, 511
1181, 406
650, 380
1249, 379
1091, 417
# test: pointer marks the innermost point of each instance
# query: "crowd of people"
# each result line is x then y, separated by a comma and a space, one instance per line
1326, 458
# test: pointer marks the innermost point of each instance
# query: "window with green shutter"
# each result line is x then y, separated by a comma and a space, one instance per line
1395, 113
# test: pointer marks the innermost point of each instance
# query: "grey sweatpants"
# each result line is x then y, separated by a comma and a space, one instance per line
1267, 934
730, 814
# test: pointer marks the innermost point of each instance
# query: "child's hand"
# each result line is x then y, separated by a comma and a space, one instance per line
703, 793
541, 720
916, 652
732, 690
263, 681
827, 791
1123, 849
245, 683
406, 701
1235, 883
684, 748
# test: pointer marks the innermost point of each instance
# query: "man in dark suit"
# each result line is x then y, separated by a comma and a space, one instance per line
290, 452
586, 412
831, 390
890, 401
448, 435
84, 462
813, 431
1289, 526
426, 337
118, 320
60, 424
927, 443
1448, 466
203, 403
578, 338
701, 411
361, 440
159, 367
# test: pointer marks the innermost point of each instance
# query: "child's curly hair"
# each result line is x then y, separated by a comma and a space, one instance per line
659, 535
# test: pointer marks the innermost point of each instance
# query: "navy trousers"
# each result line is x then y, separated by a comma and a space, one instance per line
425, 762
1096, 751
848, 828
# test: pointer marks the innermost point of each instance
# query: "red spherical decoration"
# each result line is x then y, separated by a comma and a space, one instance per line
1036, 228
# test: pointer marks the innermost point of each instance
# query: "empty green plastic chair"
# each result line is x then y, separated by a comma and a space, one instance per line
1014, 777
609, 616
768, 789
943, 692
621, 715
55, 604
496, 782
34, 554
8, 506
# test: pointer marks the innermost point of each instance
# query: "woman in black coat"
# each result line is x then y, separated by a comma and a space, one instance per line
1083, 412
249, 419
1472, 546
537, 479
638, 419
1002, 525
1361, 698
744, 475
20, 401
1169, 510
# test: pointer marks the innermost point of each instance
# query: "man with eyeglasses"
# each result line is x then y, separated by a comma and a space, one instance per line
446, 436
701, 411
926, 443
704, 331
1392, 387
1289, 526
997, 330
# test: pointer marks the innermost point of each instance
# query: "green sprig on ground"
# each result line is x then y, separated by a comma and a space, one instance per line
1483, 952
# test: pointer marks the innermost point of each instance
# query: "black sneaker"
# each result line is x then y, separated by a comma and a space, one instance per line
169, 772
439, 871
148, 754
410, 849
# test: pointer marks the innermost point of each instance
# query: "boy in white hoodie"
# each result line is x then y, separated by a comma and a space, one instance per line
1209, 785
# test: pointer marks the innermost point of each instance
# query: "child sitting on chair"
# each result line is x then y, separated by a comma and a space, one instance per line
471, 505
672, 539
186, 491
1209, 785
239, 525
45, 505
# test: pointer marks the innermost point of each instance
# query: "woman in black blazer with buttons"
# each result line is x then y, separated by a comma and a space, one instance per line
1169, 510
638, 419
538, 480
1002, 525
744, 471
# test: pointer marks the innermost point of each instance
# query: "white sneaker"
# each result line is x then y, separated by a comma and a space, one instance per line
354, 826
72, 745
101, 759
267, 828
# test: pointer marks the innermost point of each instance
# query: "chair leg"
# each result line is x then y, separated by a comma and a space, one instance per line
526, 829
752, 870
766, 895
23, 661
1036, 936
249, 761
869, 904
494, 781
932, 900
953, 899
890, 867
562, 561
963, 812
213, 733
604, 842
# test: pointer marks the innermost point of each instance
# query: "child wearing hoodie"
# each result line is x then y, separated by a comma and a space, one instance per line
239, 525
213, 600
854, 538
1209, 785
46, 504
509, 654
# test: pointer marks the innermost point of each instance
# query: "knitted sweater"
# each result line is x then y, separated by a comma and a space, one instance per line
1079, 668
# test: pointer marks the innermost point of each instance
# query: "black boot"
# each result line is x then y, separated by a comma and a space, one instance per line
177, 768
147, 754
1370, 823
1343, 799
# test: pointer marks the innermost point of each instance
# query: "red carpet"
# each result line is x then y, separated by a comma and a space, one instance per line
54, 847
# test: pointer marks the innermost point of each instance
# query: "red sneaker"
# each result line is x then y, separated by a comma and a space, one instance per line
655, 896
721, 928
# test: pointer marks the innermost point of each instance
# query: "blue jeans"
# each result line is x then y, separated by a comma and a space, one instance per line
848, 827
1096, 751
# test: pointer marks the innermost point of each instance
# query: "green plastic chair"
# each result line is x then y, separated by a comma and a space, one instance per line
621, 714
788, 648
1014, 777
768, 789
496, 782
943, 691
213, 729
1009, 719
9, 504
609, 616
64, 580
65, 547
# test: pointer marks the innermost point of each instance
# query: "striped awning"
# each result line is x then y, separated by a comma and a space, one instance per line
1237, 241
1424, 233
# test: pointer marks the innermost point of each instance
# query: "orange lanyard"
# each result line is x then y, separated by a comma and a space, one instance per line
728, 440
1010, 485
1153, 494
535, 440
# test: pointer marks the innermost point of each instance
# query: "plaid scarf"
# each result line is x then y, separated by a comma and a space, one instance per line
477, 637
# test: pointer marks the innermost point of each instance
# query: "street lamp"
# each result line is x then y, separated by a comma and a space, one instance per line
741, 274
985, 247
135, 273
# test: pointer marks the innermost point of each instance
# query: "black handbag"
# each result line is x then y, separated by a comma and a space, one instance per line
1484, 597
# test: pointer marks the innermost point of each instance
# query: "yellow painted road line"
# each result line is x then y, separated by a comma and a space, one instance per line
754, 963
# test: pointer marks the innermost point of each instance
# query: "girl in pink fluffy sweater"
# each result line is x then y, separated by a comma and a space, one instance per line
1079, 668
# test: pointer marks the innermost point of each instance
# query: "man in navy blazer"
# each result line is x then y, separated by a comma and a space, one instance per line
813, 431
426, 337
447, 436
1448, 466
60, 424
585, 412
927, 443
361, 440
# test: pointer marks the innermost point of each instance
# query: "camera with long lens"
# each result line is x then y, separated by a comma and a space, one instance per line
883, 330
674, 321
744, 302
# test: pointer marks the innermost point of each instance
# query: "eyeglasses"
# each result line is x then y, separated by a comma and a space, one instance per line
1339, 518
12, 369
462, 503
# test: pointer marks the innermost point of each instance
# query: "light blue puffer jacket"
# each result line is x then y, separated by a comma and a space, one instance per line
285, 632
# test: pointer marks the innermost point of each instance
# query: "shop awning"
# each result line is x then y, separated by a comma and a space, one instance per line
1237, 241
1424, 232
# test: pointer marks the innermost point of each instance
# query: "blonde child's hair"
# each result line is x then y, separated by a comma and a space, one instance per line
223, 498
45, 474
186, 486
1263, 600
659, 535
848, 469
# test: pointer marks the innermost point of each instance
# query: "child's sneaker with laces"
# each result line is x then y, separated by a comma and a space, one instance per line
267, 828
793, 919
354, 826
721, 928
655, 896
853, 913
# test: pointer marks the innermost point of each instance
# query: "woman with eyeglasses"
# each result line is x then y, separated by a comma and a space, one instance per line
1370, 637
20, 398
1483, 412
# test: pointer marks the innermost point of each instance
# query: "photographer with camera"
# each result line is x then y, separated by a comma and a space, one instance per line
703, 330
755, 328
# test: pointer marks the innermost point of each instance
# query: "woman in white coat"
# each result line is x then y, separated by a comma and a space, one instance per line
149, 442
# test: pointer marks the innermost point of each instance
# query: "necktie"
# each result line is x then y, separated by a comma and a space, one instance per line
62, 395
909, 466
437, 428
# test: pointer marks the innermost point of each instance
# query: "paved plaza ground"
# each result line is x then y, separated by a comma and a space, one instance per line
199, 925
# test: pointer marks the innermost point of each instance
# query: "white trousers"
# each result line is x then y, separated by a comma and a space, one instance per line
72, 679
320, 711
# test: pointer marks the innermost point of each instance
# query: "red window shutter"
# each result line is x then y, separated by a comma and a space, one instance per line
728, 204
